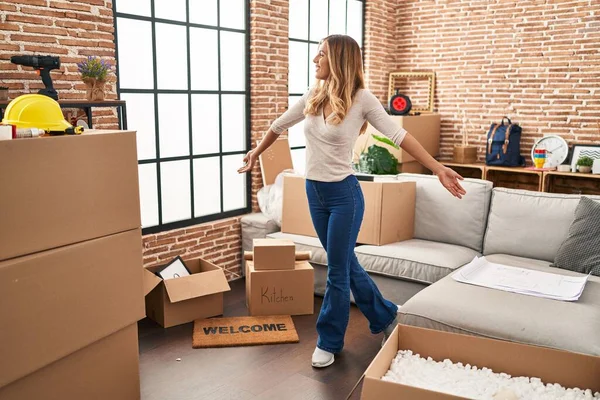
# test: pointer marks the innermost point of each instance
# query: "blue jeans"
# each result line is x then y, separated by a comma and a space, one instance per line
337, 210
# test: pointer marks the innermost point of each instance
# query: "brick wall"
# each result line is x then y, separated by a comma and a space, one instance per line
218, 242
268, 71
379, 44
69, 29
536, 61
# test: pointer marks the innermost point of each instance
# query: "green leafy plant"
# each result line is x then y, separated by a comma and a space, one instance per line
585, 161
378, 160
95, 68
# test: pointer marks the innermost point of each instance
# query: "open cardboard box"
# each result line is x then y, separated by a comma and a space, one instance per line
552, 366
177, 301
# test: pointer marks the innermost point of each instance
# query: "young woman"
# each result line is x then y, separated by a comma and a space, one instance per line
336, 110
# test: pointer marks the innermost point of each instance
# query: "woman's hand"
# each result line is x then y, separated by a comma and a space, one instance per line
249, 161
449, 179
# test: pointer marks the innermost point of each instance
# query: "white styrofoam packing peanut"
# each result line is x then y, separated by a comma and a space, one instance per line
473, 382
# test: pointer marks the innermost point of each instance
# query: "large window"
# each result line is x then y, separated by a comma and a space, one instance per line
183, 70
311, 21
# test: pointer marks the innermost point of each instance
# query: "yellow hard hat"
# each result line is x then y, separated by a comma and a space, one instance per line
35, 111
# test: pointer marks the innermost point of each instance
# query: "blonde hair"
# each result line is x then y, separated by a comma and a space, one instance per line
345, 79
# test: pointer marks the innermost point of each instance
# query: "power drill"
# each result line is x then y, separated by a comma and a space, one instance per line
43, 65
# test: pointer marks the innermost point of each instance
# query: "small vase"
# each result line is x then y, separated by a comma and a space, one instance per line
94, 89
584, 169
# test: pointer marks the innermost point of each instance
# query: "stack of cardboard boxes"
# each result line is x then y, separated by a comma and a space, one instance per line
70, 267
276, 283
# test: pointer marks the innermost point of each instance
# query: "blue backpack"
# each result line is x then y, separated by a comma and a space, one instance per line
503, 147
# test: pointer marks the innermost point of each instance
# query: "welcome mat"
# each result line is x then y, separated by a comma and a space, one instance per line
243, 331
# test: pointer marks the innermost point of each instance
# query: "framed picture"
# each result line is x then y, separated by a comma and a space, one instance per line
174, 269
580, 150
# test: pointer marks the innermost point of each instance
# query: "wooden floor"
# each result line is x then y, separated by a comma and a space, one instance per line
276, 372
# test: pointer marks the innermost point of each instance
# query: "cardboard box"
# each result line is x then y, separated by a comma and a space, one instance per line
66, 189
280, 292
425, 128
552, 366
57, 302
276, 159
389, 211
106, 369
295, 216
464, 154
274, 254
178, 301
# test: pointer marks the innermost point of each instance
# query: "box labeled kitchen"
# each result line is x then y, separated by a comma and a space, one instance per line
280, 292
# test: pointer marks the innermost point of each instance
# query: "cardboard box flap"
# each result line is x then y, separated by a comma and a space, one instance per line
196, 285
150, 281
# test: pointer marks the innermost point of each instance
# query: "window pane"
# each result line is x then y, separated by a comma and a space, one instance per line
296, 132
135, 49
170, 9
175, 191
171, 56
233, 14
355, 20
203, 12
233, 61
299, 160
205, 123
136, 7
318, 19
314, 49
298, 19
234, 184
207, 186
234, 122
298, 67
337, 17
173, 125
140, 118
204, 59
148, 194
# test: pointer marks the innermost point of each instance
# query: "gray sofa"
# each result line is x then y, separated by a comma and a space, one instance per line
508, 226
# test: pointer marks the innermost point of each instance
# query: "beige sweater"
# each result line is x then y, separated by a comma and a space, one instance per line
329, 147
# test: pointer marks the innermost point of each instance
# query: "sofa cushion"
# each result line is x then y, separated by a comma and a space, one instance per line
305, 243
419, 260
457, 307
581, 251
529, 224
441, 217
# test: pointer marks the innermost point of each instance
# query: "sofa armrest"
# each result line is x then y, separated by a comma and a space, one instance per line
255, 226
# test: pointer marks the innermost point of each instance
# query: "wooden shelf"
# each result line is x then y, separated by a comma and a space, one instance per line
514, 178
571, 183
86, 105
531, 179
476, 171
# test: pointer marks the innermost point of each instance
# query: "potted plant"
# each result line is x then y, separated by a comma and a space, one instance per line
3, 93
377, 159
93, 73
584, 164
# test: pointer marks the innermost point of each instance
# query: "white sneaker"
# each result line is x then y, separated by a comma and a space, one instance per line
322, 358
